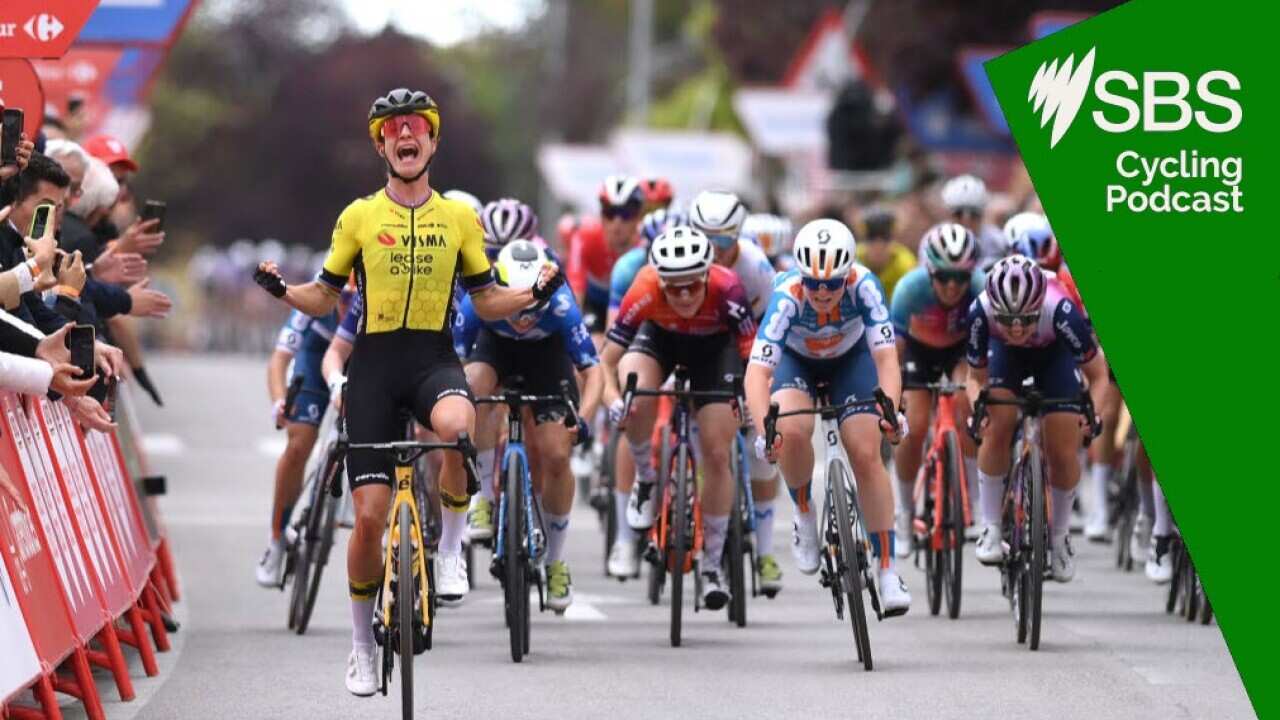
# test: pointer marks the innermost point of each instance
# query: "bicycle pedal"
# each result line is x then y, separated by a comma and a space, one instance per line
651, 553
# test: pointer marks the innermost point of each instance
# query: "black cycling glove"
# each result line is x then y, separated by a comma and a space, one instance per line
270, 282
542, 291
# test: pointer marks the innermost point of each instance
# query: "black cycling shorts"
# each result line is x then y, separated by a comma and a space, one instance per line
712, 360
595, 315
923, 364
390, 374
542, 364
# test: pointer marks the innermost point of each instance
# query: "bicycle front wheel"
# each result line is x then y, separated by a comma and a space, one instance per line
404, 609
953, 526
516, 581
734, 549
609, 480
849, 566
1037, 562
680, 535
933, 551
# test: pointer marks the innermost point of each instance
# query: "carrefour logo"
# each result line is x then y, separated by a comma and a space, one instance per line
1059, 88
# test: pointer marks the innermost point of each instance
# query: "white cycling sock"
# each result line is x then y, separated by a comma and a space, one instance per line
971, 478
764, 528
625, 533
714, 528
453, 525
1164, 518
1147, 494
992, 492
362, 624
1098, 475
642, 453
1060, 523
485, 462
906, 496
557, 532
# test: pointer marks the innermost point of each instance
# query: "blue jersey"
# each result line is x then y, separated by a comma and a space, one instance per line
624, 274
560, 315
791, 322
918, 314
305, 336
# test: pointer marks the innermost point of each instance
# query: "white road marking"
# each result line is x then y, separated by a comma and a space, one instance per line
163, 444
583, 608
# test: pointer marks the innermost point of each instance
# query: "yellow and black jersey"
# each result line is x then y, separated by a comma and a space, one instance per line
406, 260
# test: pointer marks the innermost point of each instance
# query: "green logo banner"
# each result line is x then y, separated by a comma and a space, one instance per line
1149, 132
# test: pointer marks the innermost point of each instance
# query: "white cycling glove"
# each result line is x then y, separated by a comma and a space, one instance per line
336, 384
762, 450
615, 411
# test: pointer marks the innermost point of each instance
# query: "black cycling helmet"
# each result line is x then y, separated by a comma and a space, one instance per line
403, 101
877, 223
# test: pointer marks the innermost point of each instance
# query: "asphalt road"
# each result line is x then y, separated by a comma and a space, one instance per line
1108, 649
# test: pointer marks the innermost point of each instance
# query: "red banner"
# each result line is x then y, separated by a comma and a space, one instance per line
77, 491
20, 88
39, 556
41, 28
81, 74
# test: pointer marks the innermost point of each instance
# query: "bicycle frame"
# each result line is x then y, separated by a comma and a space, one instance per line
405, 495
680, 428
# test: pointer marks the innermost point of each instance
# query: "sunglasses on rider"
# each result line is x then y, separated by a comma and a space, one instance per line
723, 242
814, 284
417, 125
1024, 320
687, 287
951, 277
630, 211
961, 212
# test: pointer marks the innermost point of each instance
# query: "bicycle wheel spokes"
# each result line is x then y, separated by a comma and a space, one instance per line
849, 564
404, 609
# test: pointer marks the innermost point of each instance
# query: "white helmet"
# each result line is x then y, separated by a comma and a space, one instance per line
1021, 223
950, 246
681, 252
825, 249
964, 191
466, 197
519, 264
718, 214
620, 191
773, 233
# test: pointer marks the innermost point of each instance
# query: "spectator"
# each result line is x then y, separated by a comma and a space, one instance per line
878, 250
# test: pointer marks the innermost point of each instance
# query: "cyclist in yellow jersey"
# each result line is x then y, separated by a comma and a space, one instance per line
888, 259
407, 245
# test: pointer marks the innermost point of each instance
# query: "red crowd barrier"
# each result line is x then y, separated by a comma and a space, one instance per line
80, 568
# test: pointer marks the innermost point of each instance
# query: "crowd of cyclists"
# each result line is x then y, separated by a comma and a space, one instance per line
427, 300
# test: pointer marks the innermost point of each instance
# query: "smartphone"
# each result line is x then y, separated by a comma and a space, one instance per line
80, 343
40, 220
154, 210
10, 135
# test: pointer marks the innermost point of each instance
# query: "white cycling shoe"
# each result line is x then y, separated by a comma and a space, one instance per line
1141, 537
1098, 528
271, 566
1063, 559
362, 675
990, 548
714, 594
642, 505
894, 598
804, 545
1159, 566
624, 559
451, 578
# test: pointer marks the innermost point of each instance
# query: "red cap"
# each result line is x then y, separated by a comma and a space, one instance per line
110, 151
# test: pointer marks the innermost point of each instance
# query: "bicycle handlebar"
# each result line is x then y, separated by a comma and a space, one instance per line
1032, 403
880, 401
738, 394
